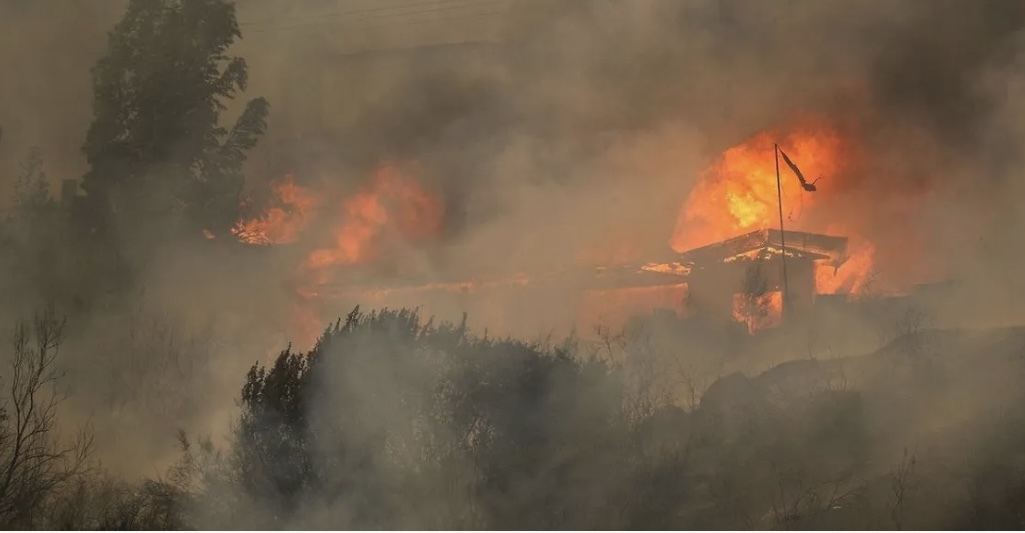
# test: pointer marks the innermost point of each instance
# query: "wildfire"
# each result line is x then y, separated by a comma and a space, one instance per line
307, 324
613, 307
667, 268
391, 202
738, 194
853, 276
281, 223
758, 312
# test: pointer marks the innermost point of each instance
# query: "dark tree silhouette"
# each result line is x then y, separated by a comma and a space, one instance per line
155, 146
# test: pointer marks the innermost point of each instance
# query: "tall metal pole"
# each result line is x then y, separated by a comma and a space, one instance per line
782, 235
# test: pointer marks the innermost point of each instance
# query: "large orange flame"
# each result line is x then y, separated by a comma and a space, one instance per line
392, 201
283, 222
738, 194
735, 195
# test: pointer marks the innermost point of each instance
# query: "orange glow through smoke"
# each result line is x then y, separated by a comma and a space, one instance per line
738, 194
282, 223
391, 202
854, 275
771, 305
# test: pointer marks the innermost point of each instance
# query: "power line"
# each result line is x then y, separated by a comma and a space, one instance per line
332, 14
376, 18
318, 21
379, 27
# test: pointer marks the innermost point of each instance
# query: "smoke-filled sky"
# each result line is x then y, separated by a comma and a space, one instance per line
560, 133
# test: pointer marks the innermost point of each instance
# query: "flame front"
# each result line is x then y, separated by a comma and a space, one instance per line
738, 193
282, 223
392, 201
392, 204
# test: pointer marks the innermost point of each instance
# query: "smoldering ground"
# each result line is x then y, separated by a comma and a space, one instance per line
572, 138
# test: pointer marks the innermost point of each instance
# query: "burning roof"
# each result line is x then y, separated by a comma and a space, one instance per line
828, 249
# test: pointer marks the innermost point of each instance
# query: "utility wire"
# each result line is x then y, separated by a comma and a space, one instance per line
378, 27
319, 20
334, 14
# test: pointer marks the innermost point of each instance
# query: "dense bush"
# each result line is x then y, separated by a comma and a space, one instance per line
393, 423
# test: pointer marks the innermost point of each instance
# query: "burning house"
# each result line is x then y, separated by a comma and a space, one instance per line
769, 269
740, 279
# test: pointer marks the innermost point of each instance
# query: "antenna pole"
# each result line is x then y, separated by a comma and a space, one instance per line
782, 235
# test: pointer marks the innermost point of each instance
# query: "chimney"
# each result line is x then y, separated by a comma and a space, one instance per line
69, 191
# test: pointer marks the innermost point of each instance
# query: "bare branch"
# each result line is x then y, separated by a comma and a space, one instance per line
33, 461
900, 484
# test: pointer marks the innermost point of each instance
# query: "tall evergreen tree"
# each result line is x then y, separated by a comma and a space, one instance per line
156, 146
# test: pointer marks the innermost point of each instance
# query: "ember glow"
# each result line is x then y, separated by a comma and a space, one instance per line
667, 268
614, 307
